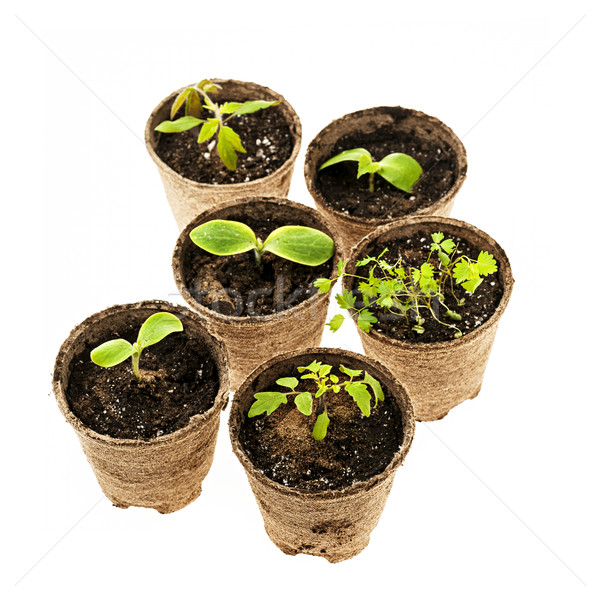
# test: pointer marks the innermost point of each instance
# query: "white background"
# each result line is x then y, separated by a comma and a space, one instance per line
500, 499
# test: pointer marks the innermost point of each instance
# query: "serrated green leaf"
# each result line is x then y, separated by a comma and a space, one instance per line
366, 289
401, 170
290, 382
350, 372
361, 396
304, 403
437, 237
156, 327
376, 387
314, 367
464, 270
266, 402
208, 130
320, 428
179, 101
336, 322
346, 299
365, 319
486, 263
448, 245
364, 261
322, 284
228, 145
426, 271
354, 155
299, 244
181, 124
472, 284
112, 353
224, 238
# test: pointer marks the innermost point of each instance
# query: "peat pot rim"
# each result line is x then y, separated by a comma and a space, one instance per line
468, 231
291, 117
216, 349
400, 396
273, 317
310, 169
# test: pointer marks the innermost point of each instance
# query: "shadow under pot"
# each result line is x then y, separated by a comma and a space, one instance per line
321, 497
193, 174
150, 444
258, 311
419, 346
358, 205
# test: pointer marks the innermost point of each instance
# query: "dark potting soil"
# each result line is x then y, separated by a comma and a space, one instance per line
235, 285
477, 309
345, 193
265, 135
180, 380
282, 447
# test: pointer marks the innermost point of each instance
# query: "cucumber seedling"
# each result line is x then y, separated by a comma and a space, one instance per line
401, 170
303, 245
411, 292
196, 98
326, 384
153, 330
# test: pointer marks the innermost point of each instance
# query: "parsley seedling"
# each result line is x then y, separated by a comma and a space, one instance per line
194, 99
411, 292
326, 383
153, 330
401, 170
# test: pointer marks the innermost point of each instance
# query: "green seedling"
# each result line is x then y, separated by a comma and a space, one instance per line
326, 384
303, 245
412, 292
193, 100
154, 329
401, 170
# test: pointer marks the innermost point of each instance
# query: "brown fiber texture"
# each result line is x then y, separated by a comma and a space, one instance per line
438, 375
353, 229
188, 198
252, 340
164, 473
334, 524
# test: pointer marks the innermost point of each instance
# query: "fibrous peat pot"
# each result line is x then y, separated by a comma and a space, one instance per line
164, 472
188, 197
257, 313
333, 523
438, 375
346, 201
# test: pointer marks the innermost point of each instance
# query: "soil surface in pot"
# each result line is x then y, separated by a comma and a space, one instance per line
235, 285
477, 309
343, 192
180, 380
265, 136
282, 447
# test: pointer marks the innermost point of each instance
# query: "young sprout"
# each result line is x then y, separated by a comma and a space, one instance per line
154, 329
326, 384
194, 99
412, 292
401, 170
303, 245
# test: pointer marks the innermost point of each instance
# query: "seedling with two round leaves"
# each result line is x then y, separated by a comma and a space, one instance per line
401, 170
411, 292
153, 330
193, 100
326, 383
299, 244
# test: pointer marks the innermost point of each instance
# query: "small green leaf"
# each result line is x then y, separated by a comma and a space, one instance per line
334, 378
452, 315
375, 386
322, 389
224, 238
448, 245
340, 266
299, 244
486, 263
156, 327
179, 101
181, 124
304, 403
290, 382
350, 372
208, 130
266, 402
248, 107
322, 284
320, 428
229, 107
472, 284
364, 261
366, 165
193, 106
227, 145
361, 396
313, 367
365, 319
401, 170
444, 258
354, 154
112, 353
336, 322
426, 271
437, 237
345, 299
324, 370
464, 270
208, 86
